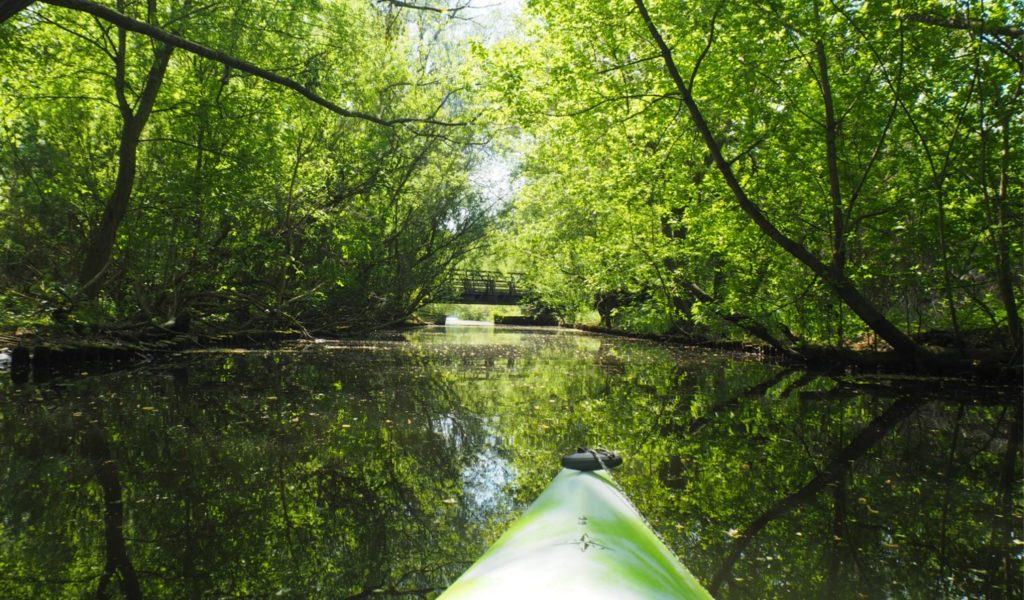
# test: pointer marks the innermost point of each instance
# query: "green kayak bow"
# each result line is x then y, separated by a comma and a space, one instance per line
581, 538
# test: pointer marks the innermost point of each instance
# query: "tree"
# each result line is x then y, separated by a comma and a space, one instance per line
231, 198
812, 124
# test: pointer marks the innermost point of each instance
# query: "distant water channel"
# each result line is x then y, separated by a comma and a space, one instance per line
381, 468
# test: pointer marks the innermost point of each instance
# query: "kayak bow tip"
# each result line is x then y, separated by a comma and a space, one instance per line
587, 459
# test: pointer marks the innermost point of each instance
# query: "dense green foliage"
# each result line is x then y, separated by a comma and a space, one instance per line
140, 181
809, 171
840, 174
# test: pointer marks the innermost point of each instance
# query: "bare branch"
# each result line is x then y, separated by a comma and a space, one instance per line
630, 63
707, 47
606, 100
442, 10
966, 24
84, 38
748, 150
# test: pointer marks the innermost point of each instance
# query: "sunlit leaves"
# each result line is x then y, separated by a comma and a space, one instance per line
610, 155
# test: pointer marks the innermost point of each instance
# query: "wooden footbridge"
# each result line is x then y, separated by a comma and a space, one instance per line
482, 287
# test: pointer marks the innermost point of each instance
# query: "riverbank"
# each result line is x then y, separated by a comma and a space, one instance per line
985, 365
41, 354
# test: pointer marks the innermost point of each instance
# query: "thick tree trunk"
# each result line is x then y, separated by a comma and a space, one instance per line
103, 237
837, 281
9, 8
95, 448
100, 247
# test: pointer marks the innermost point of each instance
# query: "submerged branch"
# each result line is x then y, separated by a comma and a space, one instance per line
836, 469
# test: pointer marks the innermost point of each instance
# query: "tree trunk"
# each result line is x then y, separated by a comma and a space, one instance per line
832, 159
837, 281
744, 322
95, 447
1004, 275
840, 464
100, 247
9, 8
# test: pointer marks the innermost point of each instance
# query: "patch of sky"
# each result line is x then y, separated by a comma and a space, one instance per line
486, 481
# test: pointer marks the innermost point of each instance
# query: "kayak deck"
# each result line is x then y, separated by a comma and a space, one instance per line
581, 538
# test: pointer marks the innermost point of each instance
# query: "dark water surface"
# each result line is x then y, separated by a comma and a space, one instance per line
382, 468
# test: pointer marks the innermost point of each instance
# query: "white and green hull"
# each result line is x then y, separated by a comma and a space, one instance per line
580, 539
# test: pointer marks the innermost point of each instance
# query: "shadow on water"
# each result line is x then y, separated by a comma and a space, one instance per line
381, 468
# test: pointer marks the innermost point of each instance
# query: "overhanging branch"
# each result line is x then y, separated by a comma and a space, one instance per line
966, 24
130, 24
441, 10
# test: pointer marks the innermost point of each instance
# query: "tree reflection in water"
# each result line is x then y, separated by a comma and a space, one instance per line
382, 468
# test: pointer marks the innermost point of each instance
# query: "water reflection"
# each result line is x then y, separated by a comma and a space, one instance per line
381, 468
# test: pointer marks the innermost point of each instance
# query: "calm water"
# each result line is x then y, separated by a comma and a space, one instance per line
382, 468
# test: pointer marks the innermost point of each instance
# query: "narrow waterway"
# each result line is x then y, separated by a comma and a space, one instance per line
381, 468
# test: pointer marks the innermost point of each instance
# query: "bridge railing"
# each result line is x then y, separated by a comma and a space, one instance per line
485, 287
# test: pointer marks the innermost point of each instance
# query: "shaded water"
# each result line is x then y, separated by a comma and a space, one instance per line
382, 468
